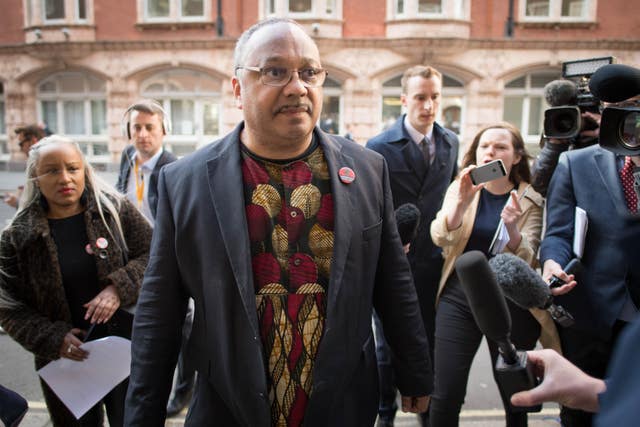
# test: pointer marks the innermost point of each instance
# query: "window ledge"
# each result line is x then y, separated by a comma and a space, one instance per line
60, 33
589, 25
175, 25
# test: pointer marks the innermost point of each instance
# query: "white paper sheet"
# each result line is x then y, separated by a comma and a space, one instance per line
580, 231
80, 385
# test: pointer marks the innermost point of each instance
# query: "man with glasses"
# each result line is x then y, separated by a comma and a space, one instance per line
285, 238
27, 136
423, 160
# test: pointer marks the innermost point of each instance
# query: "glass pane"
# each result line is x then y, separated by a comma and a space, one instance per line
540, 80
182, 117
2, 123
537, 8
96, 85
71, 83
300, 6
429, 6
272, 7
513, 111
451, 116
517, 83
391, 110
99, 117
394, 82
450, 82
1, 88
330, 6
49, 86
573, 8
158, 8
53, 9
192, 8
82, 9
4, 147
330, 117
329, 82
210, 118
535, 115
73, 117
183, 149
100, 149
182, 81
50, 115
400, 7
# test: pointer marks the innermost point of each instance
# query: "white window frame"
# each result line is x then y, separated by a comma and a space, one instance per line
87, 139
318, 9
198, 96
175, 12
451, 9
527, 93
555, 12
4, 138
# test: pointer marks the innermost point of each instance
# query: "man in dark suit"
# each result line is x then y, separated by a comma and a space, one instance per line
605, 298
146, 125
422, 157
285, 238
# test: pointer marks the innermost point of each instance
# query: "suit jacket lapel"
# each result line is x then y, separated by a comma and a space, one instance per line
343, 209
225, 188
608, 171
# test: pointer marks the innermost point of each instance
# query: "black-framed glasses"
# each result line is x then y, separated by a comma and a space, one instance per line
281, 76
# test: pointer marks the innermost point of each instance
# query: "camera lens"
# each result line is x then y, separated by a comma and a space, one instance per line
564, 123
630, 130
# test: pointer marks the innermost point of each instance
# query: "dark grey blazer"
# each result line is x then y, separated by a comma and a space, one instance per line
125, 171
588, 178
200, 249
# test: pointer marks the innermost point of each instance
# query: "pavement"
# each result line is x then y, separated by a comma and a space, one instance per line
37, 416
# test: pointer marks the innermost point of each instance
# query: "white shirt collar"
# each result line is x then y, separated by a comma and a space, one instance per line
150, 164
415, 135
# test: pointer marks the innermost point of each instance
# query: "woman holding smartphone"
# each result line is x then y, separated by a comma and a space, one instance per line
468, 220
73, 254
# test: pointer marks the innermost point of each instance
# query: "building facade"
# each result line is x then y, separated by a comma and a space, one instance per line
75, 65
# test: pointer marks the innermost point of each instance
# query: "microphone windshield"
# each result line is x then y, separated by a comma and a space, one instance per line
519, 282
615, 83
408, 220
561, 92
485, 298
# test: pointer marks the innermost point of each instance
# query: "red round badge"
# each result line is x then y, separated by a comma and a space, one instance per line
347, 175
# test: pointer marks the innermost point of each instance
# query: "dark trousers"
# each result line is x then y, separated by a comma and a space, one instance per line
591, 354
113, 402
185, 374
457, 340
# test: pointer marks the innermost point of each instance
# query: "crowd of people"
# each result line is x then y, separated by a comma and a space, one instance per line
275, 247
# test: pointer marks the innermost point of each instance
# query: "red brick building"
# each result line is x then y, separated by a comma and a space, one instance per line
77, 64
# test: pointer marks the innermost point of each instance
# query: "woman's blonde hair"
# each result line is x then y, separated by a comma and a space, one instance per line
105, 196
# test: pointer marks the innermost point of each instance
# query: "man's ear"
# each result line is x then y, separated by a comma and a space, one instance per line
237, 91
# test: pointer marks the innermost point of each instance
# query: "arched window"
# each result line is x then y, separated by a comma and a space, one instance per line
4, 149
331, 119
451, 113
524, 103
74, 104
192, 101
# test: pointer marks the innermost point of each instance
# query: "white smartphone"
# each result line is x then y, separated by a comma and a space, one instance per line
488, 172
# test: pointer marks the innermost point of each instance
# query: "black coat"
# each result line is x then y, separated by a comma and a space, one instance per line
201, 250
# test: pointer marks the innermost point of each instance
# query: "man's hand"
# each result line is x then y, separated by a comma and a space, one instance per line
562, 382
552, 268
416, 405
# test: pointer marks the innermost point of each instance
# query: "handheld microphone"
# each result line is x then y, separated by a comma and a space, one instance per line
615, 82
526, 288
489, 309
561, 92
408, 220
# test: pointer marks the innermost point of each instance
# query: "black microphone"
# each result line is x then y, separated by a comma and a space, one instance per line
561, 92
408, 220
615, 82
526, 288
489, 309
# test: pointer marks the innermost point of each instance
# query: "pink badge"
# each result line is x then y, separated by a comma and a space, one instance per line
347, 175
88, 249
102, 243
